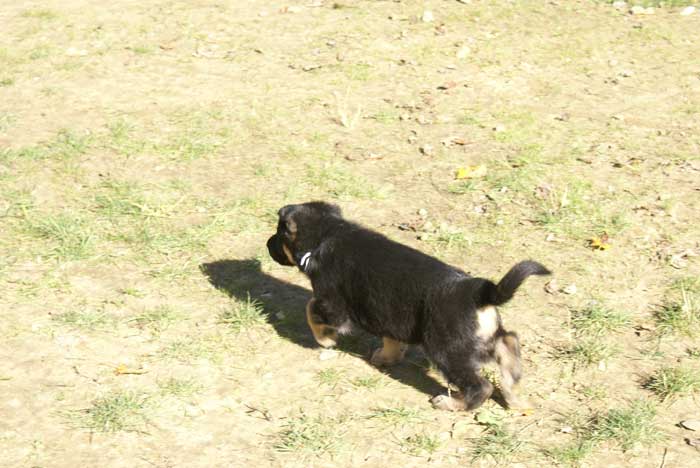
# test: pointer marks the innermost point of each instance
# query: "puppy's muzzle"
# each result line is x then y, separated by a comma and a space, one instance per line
274, 246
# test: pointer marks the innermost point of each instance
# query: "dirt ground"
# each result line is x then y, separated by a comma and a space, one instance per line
145, 148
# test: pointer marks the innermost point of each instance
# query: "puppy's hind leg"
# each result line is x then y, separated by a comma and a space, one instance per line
474, 389
390, 353
507, 354
325, 336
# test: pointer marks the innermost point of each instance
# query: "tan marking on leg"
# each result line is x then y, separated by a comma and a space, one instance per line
453, 402
288, 253
390, 353
325, 336
487, 321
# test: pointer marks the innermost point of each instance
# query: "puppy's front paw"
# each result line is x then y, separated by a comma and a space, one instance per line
328, 338
448, 403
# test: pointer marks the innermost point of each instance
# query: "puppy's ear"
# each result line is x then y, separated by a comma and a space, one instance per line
285, 215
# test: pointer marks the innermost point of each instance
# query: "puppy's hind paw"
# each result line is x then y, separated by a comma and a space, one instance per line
328, 339
382, 357
448, 403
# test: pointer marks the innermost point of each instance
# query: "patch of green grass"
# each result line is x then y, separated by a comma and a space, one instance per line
357, 71
156, 320
86, 319
71, 235
371, 382
244, 315
398, 415
693, 352
6, 81
672, 382
115, 412
42, 14
680, 313
598, 320
209, 347
40, 52
628, 427
120, 198
310, 436
142, 49
338, 182
497, 444
595, 392
181, 388
572, 454
386, 117
421, 444
589, 351
330, 376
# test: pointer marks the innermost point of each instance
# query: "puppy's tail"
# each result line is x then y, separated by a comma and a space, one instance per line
496, 294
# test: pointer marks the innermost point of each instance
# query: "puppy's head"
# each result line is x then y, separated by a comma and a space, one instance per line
300, 229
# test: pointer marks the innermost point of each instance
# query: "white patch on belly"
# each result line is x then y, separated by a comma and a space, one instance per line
345, 328
487, 322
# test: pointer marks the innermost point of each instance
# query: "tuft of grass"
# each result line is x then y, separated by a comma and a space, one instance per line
330, 376
672, 382
398, 415
421, 444
156, 320
187, 350
338, 182
71, 235
628, 427
6, 81
119, 198
371, 382
572, 454
115, 412
305, 435
598, 320
588, 351
85, 320
498, 444
243, 316
680, 314
181, 388
42, 14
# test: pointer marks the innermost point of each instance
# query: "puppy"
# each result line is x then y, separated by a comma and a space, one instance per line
359, 277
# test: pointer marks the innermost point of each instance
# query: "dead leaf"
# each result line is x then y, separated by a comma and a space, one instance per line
122, 369
599, 243
691, 424
470, 172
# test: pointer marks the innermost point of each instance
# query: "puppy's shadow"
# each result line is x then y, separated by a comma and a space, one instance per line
284, 307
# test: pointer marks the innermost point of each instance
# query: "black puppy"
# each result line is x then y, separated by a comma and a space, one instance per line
407, 297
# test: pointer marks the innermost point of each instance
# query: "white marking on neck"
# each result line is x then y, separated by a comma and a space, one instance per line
305, 259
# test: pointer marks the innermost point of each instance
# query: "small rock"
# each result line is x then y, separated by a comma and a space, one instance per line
463, 52
460, 428
566, 430
551, 287
327, 354
427, 149
427, 16
429, 227
73, 52
691, 424
423, 213
687, 11
499, 128
602, 366
619, 5
693, 443
412, 139
570, 289
637, 10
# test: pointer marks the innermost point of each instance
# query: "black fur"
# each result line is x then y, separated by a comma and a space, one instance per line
395, 291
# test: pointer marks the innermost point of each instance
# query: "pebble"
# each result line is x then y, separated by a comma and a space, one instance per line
640, 10
423, 213
427, 149
570, 289
327, 354
619, 5
691, 424
687, 11
463, 52
427, 16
